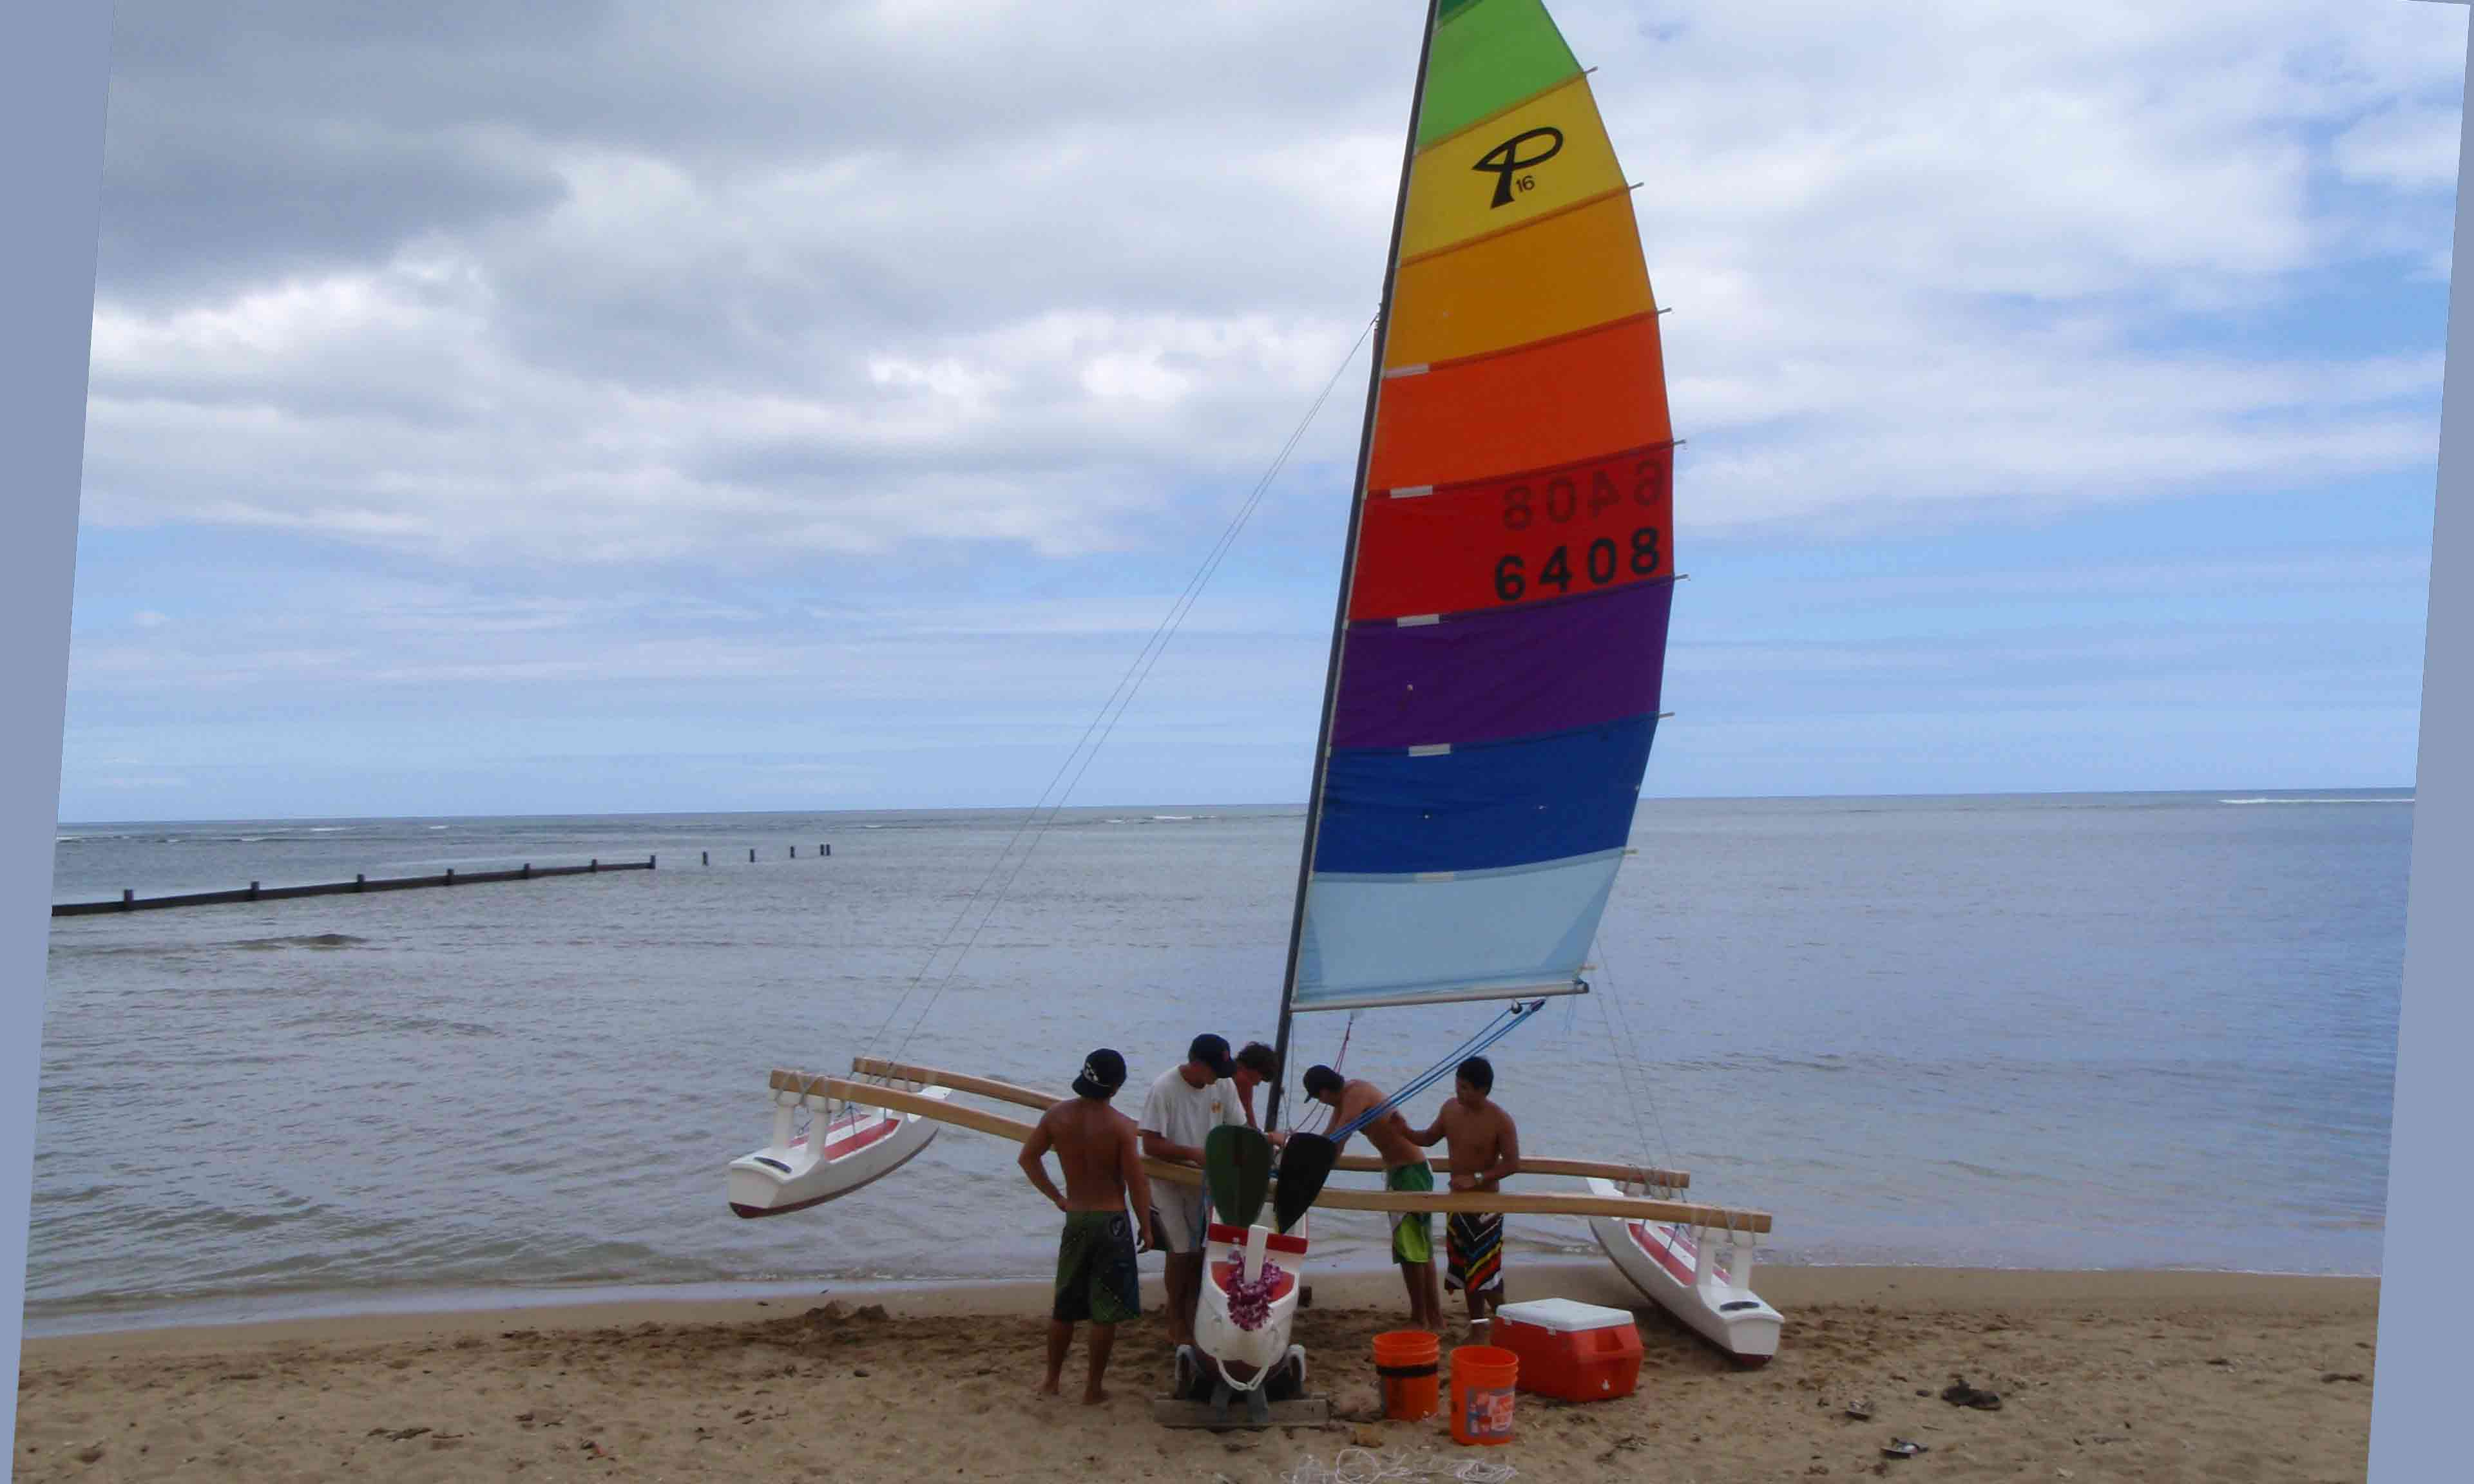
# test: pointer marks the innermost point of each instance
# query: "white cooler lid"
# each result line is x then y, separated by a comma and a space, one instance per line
1564, 1316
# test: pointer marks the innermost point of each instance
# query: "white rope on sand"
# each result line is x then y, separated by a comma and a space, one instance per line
1365, 1466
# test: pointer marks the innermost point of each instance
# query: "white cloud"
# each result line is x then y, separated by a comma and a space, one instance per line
2410, 148
1917, 255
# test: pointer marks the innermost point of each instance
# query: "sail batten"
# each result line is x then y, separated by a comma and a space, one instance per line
1454, 996
1499, 659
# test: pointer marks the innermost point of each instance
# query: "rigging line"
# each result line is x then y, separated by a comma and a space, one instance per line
972, 898
1615, 1014
1451, 1062
1617, 1046
1144, 665
1504, 1024
1338, 1057
1127, 685
1623, 1055
1176, 608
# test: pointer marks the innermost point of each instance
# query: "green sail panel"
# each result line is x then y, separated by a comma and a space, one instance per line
1488, 55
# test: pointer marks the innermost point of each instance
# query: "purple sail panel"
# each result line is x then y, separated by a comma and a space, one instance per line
1497, 674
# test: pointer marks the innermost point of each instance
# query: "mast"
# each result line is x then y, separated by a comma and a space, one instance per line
1348, 573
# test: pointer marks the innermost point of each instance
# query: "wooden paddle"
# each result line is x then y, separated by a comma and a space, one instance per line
1237, 1168
1305, 1163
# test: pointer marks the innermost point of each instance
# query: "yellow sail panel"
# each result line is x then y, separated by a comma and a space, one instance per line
1549, 154
1561, 273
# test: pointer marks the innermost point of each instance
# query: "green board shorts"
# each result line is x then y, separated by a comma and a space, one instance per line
1413, 1233
1095, 1269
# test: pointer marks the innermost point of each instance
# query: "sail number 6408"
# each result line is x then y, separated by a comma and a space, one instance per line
1602, 562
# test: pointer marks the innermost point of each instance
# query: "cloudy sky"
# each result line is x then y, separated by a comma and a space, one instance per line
587, 407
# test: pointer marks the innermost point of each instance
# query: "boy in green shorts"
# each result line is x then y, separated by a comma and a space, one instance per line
1404, 1168
1095, 1258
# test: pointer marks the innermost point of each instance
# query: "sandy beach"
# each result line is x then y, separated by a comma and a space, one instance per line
2101, 1375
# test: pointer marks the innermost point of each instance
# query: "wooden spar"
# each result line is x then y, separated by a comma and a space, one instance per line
869, 1094
1544, 1203
1032, 1098
1439, 1203
937, 1076
1620, 1174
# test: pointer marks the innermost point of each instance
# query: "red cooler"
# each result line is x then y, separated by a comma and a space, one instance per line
1573, 1352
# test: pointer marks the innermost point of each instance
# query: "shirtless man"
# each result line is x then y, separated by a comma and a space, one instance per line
1094, 1259
1485, 1149
1404, 1168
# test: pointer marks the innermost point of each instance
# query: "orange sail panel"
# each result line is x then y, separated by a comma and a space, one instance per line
1597, 391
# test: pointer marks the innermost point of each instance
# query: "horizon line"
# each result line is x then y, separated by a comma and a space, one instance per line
1296, 805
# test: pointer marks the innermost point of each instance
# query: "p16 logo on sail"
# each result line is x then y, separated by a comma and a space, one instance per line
1506, 158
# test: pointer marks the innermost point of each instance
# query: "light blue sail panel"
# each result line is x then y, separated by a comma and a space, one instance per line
1397, 940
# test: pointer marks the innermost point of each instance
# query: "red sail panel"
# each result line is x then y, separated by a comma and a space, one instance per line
1527, 539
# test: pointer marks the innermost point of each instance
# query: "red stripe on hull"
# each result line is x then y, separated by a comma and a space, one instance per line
1660, 1252
853, 1142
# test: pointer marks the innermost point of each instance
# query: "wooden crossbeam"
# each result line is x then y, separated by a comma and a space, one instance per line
1033, 1097
1515, 1203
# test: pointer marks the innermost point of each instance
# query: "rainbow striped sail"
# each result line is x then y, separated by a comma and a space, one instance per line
1502, 632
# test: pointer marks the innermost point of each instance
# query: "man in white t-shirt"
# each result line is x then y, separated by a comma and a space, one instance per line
1185, 1105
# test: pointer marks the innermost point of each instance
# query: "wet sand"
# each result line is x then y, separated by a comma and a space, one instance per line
2101, 1377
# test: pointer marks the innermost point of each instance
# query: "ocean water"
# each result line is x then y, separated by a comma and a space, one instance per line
2045, 1031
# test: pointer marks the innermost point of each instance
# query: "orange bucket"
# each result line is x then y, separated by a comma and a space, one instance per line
1483, 1377
1407, 1362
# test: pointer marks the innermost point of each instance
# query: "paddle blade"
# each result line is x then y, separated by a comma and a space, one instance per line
1254, 1177
1237, 1168
1305, 1165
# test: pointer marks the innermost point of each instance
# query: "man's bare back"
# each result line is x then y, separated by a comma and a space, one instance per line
1389, 1134
1100, 1153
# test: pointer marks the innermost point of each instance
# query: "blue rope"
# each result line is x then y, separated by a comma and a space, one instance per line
1468, 1048
1502, 1025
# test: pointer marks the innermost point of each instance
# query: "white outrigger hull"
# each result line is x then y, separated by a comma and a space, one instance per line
1700, 1275
830, 1159
1227, 1252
